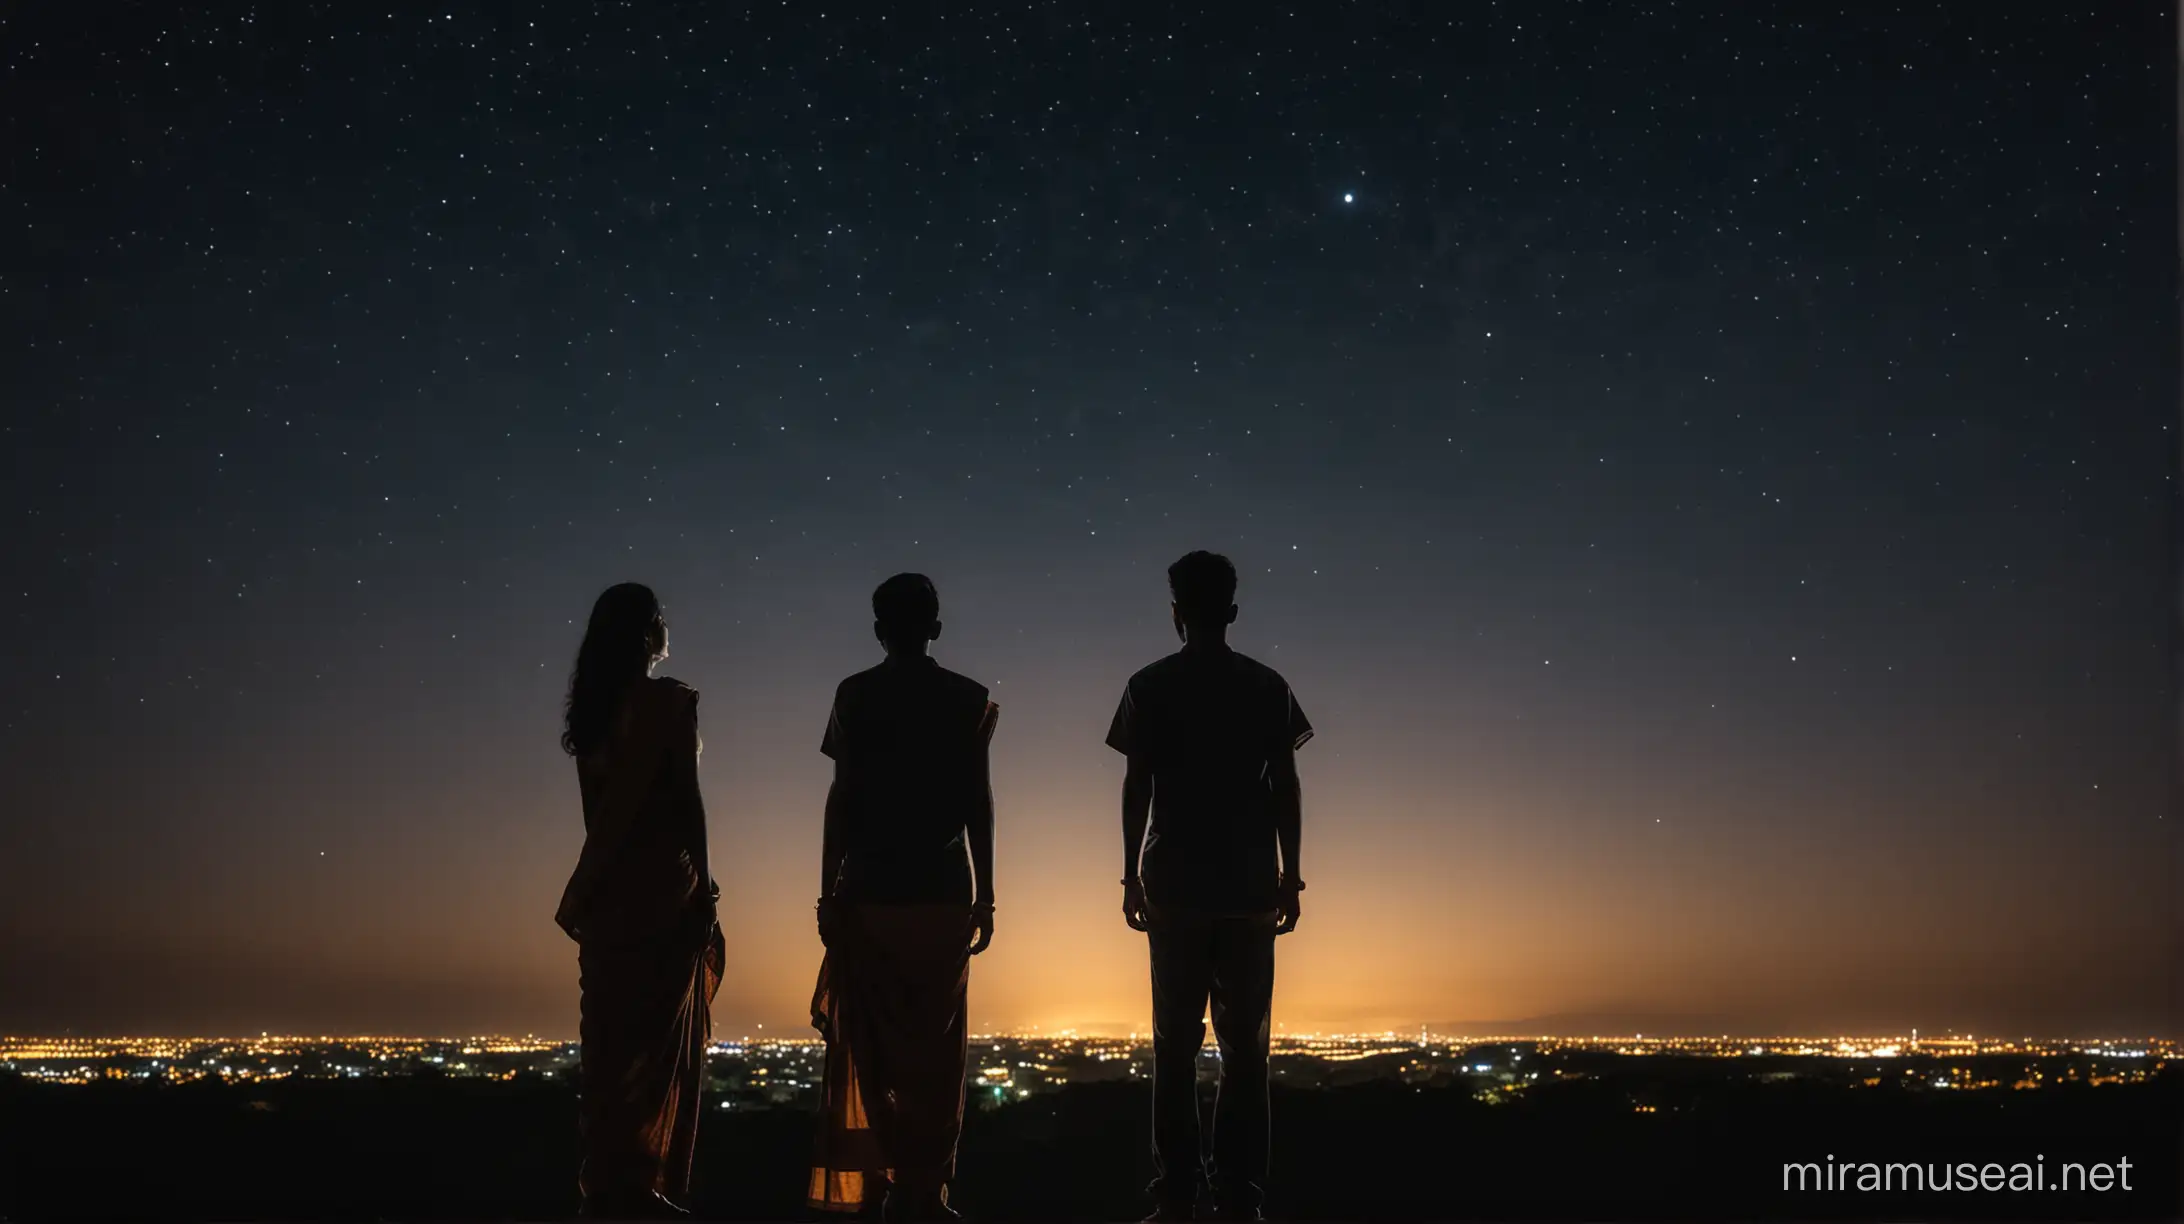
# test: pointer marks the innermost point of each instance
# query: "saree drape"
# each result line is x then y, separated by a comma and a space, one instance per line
646, 1021
890, 1005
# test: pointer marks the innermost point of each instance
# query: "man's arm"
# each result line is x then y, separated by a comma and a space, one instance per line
1124, 736
831, 848
1289, 832
1288, 812
1137, 812
980, 831
980, 835
1295, 731
833, 837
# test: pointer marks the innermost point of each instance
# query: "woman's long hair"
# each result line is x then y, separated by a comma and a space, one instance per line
621, 643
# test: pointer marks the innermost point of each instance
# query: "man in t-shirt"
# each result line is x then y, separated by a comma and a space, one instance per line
1211, 816
906, 899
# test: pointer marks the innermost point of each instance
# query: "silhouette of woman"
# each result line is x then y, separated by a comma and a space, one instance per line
640, 906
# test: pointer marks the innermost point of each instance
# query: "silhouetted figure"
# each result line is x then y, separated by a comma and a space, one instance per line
906, 899
1209, 799
640, 906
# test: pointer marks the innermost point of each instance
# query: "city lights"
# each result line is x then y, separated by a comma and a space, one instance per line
774, 1071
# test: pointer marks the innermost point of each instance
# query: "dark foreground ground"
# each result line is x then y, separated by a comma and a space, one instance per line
456, 1149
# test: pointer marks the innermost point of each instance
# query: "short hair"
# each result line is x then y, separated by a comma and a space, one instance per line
1202, 581
906, 601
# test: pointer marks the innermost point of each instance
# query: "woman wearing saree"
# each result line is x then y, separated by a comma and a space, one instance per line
640, 906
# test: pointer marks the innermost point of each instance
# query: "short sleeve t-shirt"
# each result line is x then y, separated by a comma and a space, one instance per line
1210, 722
909, 736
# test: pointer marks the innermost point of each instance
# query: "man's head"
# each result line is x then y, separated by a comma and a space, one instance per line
906, 613
1203, 586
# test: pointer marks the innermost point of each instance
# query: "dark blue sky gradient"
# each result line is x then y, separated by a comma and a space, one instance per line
1705, 469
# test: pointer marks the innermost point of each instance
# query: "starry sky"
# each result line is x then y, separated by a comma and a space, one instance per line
1704, 469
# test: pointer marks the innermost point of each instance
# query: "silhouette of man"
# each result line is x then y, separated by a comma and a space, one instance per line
1209, 800
906, 900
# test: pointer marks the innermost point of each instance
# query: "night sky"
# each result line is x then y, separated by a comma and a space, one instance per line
1704, 470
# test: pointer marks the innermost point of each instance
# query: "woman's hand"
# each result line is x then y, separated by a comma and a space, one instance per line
565, 917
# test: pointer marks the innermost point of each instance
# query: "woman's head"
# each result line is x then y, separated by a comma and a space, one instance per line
626, 636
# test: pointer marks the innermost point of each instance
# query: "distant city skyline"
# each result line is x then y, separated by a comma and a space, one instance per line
1572, 1029
764, 1072
758, 1033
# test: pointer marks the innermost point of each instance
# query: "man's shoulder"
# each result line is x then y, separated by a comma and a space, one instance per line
1257, 672
956, 684
1156, 673
857, 682
892, 685
1232, 665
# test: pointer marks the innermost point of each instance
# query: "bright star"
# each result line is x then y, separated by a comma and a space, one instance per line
1347, 198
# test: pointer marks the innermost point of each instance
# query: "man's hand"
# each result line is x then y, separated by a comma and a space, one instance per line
982, 923
1133, 903
827, 921
1290, 907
